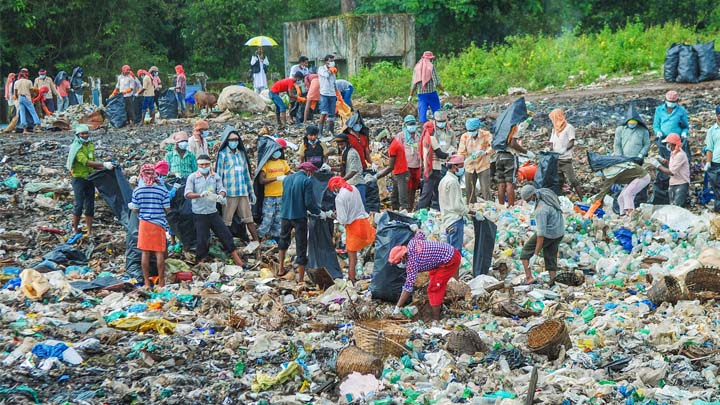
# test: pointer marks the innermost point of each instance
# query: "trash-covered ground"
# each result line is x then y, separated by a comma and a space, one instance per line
635, 322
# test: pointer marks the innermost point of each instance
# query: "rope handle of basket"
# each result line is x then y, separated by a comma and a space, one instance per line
380, 335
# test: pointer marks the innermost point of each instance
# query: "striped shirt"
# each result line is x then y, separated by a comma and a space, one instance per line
152, 202
185, 165
235, 174
424, 255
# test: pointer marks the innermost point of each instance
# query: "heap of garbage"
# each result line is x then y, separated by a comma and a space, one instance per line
631, 319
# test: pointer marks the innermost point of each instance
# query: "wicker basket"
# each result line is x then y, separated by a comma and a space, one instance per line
279, 317
464, 341
548, 337
381, 338
571, 278
666, 289
509, 308
703, 283
353, 359
409, 109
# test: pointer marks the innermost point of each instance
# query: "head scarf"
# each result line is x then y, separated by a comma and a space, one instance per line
527, 191
23, 73
397, 253
147, 174
473, 124
179, 70
142, 72
162, 168
180, 136
126, 69
557, 116
423, 71
426, 151
338, 182
8, 86
307, 166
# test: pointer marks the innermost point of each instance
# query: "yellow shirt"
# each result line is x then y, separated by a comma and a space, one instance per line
148, 87
275, 168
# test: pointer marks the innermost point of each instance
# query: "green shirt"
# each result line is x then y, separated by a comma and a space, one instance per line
185, 165
80, 169
712, 142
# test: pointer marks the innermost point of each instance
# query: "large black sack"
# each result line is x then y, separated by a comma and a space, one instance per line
599, 162
372, 195
137, 107
670, 68
515, 114
66, 254
393, 229
115, 110
115, 190
688, 70
180, 218
661, 196
133, 255
321, 247
485, 232
548, 172
168, 105
707, 65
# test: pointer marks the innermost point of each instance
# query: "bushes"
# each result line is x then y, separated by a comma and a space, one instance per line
536, 62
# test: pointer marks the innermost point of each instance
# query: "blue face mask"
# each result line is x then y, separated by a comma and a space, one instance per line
204, 170
460, 172
670, 104
276, 154
84, 140
42, 76
205, 134
233, 144
474, 134
632, 126
313, 142
182, 145
411, 128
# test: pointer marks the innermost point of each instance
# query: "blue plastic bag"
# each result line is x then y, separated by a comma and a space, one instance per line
624, 237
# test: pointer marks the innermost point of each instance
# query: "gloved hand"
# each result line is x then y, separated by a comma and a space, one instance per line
133, 206
409, 99
207, 194
446, 94
323, 215
374, 167
656, 163
177, 186
253, 199
325, 168
532, 260
706, 167
220, 200
659, 134
329, 214
479, 216
280, 178
172, 192
414, 227
397, 310
531, 155
133, 180
641, 156
108, 165
333, 69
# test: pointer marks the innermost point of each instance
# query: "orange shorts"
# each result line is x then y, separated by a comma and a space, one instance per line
359, 234
151, 237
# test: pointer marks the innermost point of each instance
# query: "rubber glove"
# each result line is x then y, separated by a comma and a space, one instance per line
533, 259
221, 200
479, 216
108, 165
280, 178
253, 199
414, 227
706, 167
655, 163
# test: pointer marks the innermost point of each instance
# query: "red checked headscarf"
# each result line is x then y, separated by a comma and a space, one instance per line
147, 174
338, 182
426, 151
8, 86
179, 70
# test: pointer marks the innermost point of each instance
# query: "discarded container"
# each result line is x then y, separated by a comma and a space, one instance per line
381, 338
548, 338
353, 359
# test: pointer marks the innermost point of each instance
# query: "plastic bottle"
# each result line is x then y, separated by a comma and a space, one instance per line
410, 311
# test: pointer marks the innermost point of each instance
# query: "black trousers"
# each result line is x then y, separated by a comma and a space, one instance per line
429, 192
203, 224
130, 109
301, 238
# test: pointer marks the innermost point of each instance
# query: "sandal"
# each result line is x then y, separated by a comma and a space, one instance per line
282, 272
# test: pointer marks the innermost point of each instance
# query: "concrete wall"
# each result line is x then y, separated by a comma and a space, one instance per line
351, 38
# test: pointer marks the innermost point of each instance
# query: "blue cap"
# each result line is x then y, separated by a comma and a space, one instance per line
717, 110
473, 124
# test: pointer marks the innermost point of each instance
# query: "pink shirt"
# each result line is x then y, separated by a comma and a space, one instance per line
63, 88
680, 168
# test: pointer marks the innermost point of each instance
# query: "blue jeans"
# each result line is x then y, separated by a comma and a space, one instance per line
279, 103
678, 194
347, 96
181, 100
147, 104
427, 100
455, 234
63, 103
327, 106
26, 107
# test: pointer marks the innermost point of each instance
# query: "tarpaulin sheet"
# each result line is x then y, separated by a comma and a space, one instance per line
600, 162
321, 247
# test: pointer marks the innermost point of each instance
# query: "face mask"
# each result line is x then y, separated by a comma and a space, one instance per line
411, 128
84, 140
441, 125
204, 170
155, 73
182, 145
460, 172
474, 134
632, 126
205, 134
313, 142
42, 76
400, 265
331, 64
276, 154
670, 104
233, 144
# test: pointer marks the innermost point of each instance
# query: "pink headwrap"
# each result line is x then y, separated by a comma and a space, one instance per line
423, 69
147, 174
162, 168
397, 253
179, 70
8, 85
338, 182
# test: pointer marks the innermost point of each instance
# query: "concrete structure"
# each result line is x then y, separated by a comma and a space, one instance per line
355, 40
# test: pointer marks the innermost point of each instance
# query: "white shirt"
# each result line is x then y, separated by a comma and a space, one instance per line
327, 81
126, 82
297, 68
452, 206
349, 206
561, 141
197, 149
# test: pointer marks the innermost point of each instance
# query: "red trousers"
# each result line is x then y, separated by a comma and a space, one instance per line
439, 278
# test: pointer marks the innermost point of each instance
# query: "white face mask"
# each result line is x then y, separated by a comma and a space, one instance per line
331, 63
441, 125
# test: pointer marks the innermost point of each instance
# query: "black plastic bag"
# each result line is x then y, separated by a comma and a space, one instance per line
180, 218
168, 104
707, 65
323, 196
321, 247
387, 283
670, 68
485, 232
372, 196
688, 65
393, 229
133, 255
599, 162
115, 190
115, 110
515, 114
548, 172
661, 196
66, 254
